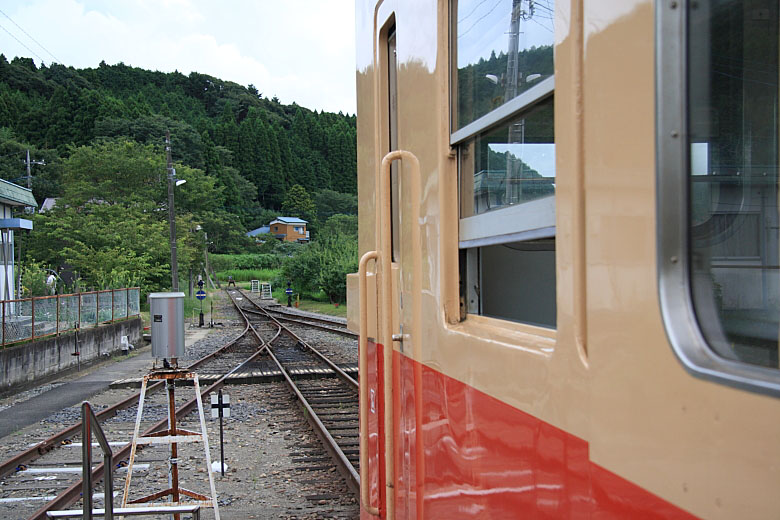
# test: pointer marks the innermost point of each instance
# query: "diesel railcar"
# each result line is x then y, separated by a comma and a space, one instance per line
569, 290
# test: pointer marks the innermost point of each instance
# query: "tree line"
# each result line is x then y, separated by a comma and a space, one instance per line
253, 146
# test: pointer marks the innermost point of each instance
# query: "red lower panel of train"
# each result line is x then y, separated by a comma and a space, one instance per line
482, 458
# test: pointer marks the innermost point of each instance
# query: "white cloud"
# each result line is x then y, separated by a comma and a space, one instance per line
298, 50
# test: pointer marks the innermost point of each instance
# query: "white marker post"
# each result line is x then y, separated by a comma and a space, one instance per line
220, 407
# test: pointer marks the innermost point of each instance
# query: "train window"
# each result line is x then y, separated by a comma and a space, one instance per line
509, 165
502, 121
503, 49
719, 233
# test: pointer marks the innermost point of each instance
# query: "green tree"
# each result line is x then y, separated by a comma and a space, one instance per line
330, 202
298, 203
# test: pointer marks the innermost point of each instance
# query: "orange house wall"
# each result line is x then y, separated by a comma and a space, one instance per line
289, 231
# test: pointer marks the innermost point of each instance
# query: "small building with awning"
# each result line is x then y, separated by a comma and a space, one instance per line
12, 196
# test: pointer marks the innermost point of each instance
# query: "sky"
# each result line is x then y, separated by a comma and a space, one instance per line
300, 51
483, 27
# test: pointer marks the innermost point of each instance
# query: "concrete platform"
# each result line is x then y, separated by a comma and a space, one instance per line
83, 386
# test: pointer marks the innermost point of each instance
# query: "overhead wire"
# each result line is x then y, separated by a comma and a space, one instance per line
540, 24
480, 19
472, 11
33, 39
21, 43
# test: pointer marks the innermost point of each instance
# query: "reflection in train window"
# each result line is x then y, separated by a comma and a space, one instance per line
511, 164
733, 177
504, 47
503, 130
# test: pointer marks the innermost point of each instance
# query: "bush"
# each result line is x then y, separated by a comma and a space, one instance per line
33, 280
324, 264
303, 269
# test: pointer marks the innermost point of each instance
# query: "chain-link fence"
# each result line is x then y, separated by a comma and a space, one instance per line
32, 318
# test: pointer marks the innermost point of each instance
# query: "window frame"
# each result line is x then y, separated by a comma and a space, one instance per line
529, 221
473, 230
673, 227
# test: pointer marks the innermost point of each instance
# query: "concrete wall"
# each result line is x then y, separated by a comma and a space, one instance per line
23, 364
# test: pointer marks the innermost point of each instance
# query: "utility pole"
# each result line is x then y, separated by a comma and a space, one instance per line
29, 164
513, 78
172, 213
29, 169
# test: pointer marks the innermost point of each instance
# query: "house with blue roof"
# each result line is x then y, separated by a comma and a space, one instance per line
288, 229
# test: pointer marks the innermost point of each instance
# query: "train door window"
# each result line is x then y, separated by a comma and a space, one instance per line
392, 94
719, 240
502, 127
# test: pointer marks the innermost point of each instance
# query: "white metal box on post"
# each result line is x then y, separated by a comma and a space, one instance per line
166, 314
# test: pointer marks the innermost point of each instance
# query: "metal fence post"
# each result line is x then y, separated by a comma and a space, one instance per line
4, 305
57, 329
97, 308
79, 310
112, 305
32, 302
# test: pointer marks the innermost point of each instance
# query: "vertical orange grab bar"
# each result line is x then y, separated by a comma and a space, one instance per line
363, 380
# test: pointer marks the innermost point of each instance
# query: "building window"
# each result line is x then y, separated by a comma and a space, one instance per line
503, 129
724, 248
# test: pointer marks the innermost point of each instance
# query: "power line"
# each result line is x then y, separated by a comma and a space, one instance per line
472, 11
541, 24
480, 19
33, 39
20, 43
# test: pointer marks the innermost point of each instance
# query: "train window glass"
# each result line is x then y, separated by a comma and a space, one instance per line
733, 177
718, 143
502, 125
511, 164
503, 48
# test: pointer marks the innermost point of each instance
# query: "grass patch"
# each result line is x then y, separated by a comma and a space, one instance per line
324, 308
246, 275
317, 302
312, 303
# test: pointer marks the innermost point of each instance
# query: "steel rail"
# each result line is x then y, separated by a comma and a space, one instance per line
343, 464
321, 319
72, 493
10, 465
346, 377
341, 331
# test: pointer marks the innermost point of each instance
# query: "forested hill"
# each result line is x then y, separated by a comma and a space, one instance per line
254, 147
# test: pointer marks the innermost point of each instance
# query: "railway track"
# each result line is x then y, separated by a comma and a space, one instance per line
324, 389
334, 325
330, 402
55, 456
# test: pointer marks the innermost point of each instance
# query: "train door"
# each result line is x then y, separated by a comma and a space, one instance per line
379, 385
